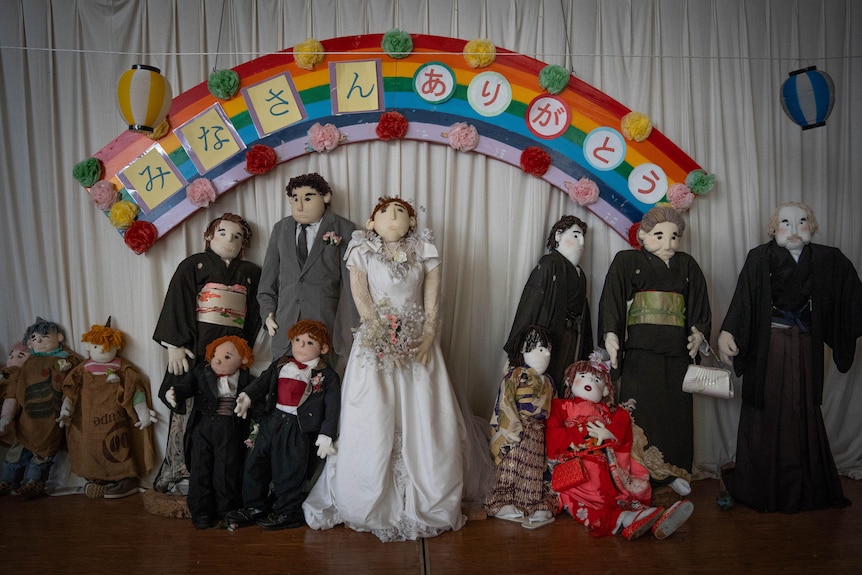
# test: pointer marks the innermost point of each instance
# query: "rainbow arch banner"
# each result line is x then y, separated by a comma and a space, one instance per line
578, 129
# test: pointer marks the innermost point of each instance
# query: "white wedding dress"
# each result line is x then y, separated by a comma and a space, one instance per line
399, 470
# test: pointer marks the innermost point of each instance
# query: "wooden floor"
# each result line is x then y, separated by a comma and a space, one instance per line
74, 534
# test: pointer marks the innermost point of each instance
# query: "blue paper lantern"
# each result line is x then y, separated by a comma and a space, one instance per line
807, 97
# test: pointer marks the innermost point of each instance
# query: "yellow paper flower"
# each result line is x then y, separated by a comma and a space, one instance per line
479, 53
636, 126
160, 130
307, 54
123, 214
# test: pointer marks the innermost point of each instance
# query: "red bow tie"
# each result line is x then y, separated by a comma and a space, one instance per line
298, 363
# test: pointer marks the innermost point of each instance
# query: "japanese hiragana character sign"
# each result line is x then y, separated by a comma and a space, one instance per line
152, 178
489, 93
274, 104
548, 116
209, 138
434, 82
357, 86
648, 183
604, 148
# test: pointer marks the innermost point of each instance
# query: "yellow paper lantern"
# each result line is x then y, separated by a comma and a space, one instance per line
144, 98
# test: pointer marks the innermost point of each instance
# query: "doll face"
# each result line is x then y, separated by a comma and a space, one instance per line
45, 343
391, 222
305, 348
793, 232
227, 240
17, 356
589, 387
307, 205
100, 354
570, 243
226, 359
662, 240
538, 358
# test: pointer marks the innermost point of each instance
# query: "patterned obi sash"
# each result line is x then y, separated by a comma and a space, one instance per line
657, 308
222, 305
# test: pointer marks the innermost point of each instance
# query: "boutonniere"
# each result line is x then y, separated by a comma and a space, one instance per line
331, 238
63, 365
252, 435
317, 383
112, 376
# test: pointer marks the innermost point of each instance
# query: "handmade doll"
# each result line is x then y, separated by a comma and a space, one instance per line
215, 449
108, 418
297, 402
610, 492
36, 391
211, 294
10, 449
518, 439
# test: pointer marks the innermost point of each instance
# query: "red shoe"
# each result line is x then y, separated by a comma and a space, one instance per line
676, 515
642, 524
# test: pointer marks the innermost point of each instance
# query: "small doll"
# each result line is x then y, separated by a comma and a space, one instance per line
615, 491
33, 397
17, 356
214, 440
297, 402
518, 437
104, 399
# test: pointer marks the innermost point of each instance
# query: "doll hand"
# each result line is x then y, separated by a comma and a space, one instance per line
324, 446
5, 420
65, 413
243, 402
694, 341
423, 351
271, 325
171, 397
598, 430
146, 416
612, 344
178, 360
727, 348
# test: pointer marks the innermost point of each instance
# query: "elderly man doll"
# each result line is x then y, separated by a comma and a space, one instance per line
792, 297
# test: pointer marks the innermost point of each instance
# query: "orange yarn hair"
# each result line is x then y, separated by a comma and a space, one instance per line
241, 347
315, 330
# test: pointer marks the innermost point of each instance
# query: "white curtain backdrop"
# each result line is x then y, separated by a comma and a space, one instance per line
707, 72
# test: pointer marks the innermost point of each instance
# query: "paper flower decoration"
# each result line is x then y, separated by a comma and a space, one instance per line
104, 195
680, 197
223, 84
636, 126
309, 53
87, 172
122, 214
699, 182
324, 138
259, 159
535, 161
397, 43
392, 126
462, 136
479, 53
554, 78
584, 191
633, 236
201, 192
140, 236
159, 131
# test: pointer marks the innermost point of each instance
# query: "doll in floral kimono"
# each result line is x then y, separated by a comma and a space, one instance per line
518, 434
614, 496
108, 416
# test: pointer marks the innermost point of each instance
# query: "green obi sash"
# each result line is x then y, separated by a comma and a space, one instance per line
657, 308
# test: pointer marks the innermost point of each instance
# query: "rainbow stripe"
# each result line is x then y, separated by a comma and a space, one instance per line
503, 137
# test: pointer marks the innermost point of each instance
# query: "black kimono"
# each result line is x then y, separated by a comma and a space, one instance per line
781, 315
653, 358
555, 297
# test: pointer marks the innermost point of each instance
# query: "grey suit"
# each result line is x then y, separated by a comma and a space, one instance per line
312, 292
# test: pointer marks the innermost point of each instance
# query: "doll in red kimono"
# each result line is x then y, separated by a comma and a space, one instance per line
614, 497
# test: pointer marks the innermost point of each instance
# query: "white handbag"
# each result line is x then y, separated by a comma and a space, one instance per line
710, 381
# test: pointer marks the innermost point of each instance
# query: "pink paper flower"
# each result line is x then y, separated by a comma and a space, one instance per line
324, 138
462, 136
584, 191
104, 195
201, 192
680, 197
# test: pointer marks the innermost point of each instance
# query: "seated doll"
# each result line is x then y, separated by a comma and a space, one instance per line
297, 402
214, 439
518, 437
33, 397
614, 495
10, 449
104, 399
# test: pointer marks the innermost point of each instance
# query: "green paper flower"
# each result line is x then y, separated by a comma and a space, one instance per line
699, 182
223, 84
87, 172
397, 43
554, 78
